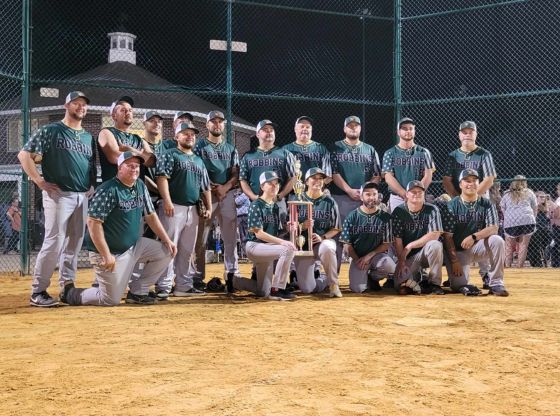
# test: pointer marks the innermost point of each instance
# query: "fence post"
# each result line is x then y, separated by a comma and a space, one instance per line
229, 80
397, 68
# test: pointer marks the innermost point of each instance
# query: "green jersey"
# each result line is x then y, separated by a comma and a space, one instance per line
311, 155
262, 216
365, 232
168, 144
150, 172
410, 226
219, 159
120, 208
466, 218
258, 161
109, 170
325, 214
479, 160
356, 164
186, 174
66, 155
407, 164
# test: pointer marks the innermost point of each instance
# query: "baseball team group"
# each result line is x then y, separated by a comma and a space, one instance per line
147, 223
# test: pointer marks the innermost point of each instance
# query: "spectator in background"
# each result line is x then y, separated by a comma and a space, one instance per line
546, 210
496, 197
14, 215
555, 251
519, 205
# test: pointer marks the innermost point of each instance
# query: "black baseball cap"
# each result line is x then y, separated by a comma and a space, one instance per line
74, 95
369, 185
186, 126
263, 123
415, 184
405, 120
215, 114
149, 114
123, 99
467, 125
466, 173
179, 114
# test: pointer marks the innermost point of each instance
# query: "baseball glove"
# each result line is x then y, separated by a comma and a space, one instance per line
215, 285
410, 287
200, 206
470, 290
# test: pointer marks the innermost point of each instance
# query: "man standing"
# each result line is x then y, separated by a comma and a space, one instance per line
112, 141
65, 151
181, 177
471, 228
310, 154
115, 247
417, 227
468, 156
406, 162
222, 163
153, 125
179, 117
366, 235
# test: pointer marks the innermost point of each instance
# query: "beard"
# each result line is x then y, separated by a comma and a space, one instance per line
186, 146
371, 204
353, 136
216, 133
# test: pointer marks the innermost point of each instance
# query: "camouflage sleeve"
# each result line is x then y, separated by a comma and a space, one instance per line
397, 225
345, 236
243, 170
254, 218
102, 203
388, 163
38, 143
164, 165
447, 219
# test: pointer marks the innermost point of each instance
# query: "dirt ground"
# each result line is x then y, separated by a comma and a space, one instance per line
374, 354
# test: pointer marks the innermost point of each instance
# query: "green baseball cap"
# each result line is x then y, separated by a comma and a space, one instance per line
267, 176
149, 114
186, 126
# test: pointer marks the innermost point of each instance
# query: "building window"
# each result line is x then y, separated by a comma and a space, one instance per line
15, 132
114, 44
130, 45
122, 44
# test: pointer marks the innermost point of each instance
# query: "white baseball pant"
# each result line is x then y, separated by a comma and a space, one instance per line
431, 256
325, 252
345, 206
381, 265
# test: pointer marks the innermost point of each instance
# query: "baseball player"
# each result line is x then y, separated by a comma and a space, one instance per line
222, 163
115, 246
366, 234
310, 153
471, 228
325, 227
406, 162
264, 247
417, 227
66, 154
112, 141
179, 117
181, 177
353, 164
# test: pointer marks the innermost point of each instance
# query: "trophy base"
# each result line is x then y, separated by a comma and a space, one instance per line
304, 253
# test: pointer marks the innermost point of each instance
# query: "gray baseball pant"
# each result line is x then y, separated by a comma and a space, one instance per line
112, 285
345, 206
263, 256
325, 251
492, 250
65, 222
181, 229
381, 265
431, 255
226, 213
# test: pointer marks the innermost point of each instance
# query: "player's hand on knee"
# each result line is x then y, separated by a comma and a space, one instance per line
289, 244
171, 247
168, 208
108, 263
316, 238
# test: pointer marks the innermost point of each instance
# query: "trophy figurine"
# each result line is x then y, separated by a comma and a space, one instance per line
296, 232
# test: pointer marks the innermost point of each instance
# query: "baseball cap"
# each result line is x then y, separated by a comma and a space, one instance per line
415, 184
466, 173
405, 120
76, 94
128, 155
314, 171
519, 178
368, 185
267, 176
304, 118
124, 98
263, 123
149, 114
181, 114
467, 125
186, 126
352, 119
215, 114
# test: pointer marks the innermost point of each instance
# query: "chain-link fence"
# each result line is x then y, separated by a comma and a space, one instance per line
439, 62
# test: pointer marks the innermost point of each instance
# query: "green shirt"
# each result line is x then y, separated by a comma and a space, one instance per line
407, 164
262, 216
311, 155
365, 232
219, 159
66, 155
356, 164
186, 174
169, 144
258, 161
109, 170
463, 218
412, 226
479, 160
150, 172
120, 208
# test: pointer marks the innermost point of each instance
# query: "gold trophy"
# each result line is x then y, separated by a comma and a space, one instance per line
296, 233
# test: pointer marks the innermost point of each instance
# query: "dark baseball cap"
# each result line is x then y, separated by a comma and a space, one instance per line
186, 126
123, 99
352, 119
215, 114
267, 176
467, 125
304, 118
415, 184
128, 155
179, 114
405, 120
466, 173
314, 171
263, 123
74, 95
369, 185
150, 114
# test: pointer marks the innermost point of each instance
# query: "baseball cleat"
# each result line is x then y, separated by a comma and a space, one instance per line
498, 291
42, 300
334, 291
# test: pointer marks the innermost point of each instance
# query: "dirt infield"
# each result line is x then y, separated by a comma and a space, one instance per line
376, 354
